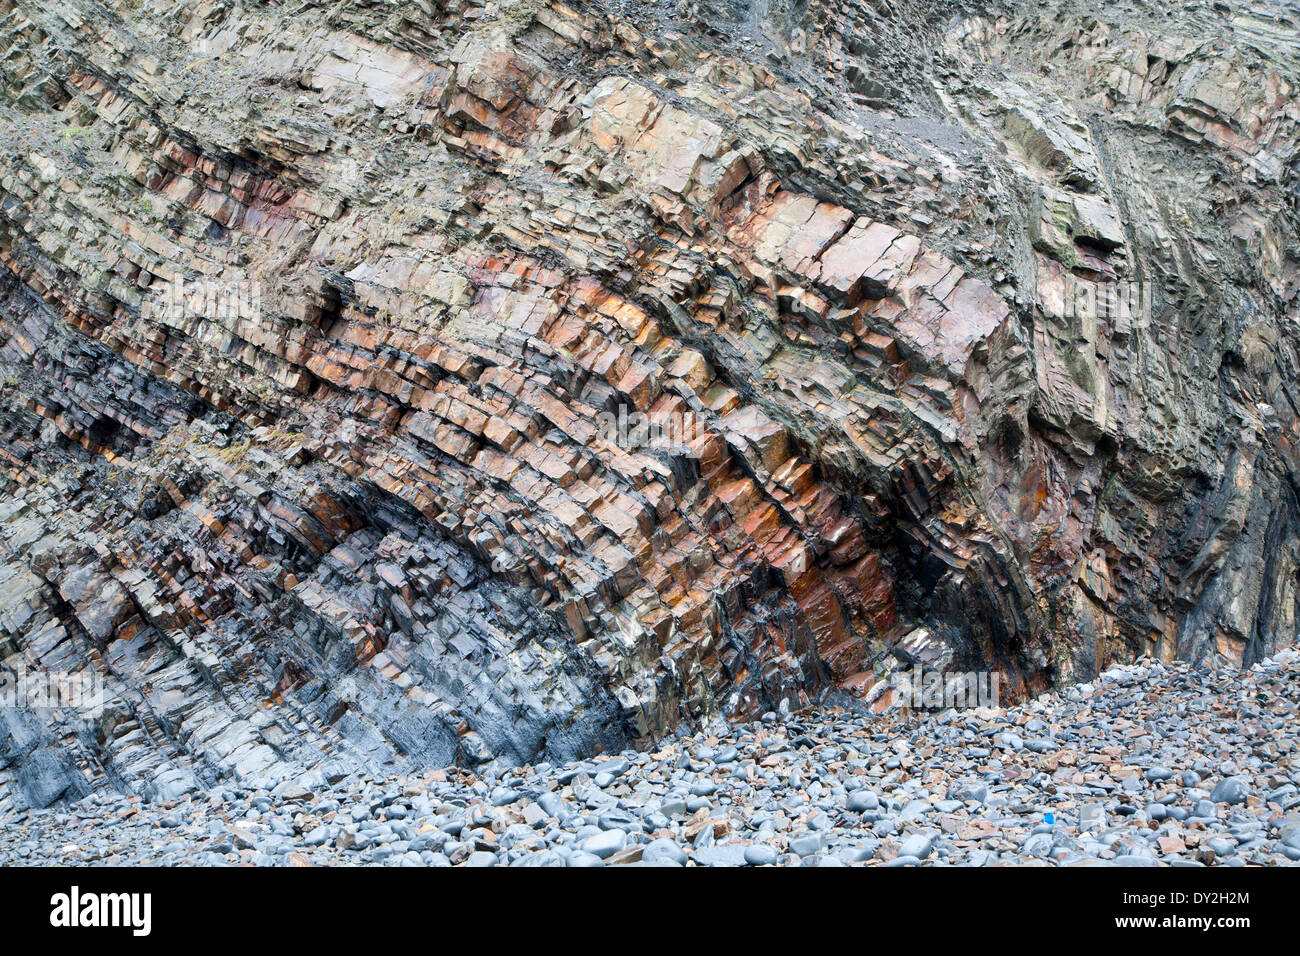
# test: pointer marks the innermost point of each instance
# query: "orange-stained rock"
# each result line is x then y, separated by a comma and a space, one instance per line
401, 385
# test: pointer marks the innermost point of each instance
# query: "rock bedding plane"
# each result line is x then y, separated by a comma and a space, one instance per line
331, 335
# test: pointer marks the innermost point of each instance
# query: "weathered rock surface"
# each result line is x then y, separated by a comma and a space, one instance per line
974, 326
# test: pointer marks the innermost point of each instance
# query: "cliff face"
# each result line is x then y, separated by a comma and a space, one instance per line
407, 383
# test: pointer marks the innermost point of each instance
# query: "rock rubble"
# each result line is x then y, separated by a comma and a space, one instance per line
1150, 765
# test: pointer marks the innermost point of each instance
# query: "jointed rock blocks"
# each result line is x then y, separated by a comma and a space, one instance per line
314, 325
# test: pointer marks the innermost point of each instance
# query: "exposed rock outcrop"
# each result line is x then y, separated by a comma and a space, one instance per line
340, 342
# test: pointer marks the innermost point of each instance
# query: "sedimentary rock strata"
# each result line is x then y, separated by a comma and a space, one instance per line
972, 327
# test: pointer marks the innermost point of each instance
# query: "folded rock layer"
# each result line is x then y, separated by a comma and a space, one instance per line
393, 384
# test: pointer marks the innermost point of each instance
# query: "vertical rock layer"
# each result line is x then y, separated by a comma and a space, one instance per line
414, 383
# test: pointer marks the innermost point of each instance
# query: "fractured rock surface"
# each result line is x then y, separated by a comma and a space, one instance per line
974, 326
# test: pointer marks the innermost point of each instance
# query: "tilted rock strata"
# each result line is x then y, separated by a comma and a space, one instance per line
314, 322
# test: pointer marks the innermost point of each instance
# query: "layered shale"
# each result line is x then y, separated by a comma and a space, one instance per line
331, 334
